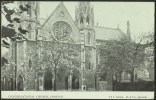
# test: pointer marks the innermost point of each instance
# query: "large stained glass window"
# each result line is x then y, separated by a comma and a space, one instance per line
61, 30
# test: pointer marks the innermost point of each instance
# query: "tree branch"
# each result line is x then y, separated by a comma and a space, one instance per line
2, 12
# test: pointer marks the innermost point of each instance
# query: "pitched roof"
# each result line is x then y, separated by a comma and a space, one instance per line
52, 13
103, 33
61, 4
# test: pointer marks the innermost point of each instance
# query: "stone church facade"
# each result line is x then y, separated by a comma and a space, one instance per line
24, 73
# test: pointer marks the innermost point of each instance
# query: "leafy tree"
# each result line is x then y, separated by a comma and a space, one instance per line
149, 51
13, 17
8, 32
4, 61
62, 52
112, 57
123, 55
60, 55
136, 56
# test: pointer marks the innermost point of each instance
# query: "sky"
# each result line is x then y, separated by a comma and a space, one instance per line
111, 14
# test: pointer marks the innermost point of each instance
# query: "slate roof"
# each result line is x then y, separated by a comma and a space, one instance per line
103, 33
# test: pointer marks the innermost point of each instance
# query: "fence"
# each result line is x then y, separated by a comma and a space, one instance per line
135, 86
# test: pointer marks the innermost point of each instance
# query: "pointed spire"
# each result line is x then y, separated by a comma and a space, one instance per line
97, 24
128, 30
85, 14
92, 15
37, 9
76, 15
84, 4
61, 2
128, 27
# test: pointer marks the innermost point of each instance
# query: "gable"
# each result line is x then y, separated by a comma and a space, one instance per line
60, 14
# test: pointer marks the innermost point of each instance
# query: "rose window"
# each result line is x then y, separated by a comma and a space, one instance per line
61, 30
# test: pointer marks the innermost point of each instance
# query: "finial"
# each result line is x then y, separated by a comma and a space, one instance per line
61, 3
128, 30
128, 22
128, 27
97, 24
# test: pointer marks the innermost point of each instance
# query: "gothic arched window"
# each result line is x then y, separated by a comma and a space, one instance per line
89, 65
61, 13
87, 20
30, 63
81, 20
29, 29
89, 36
3, 83
20, 84
10, 84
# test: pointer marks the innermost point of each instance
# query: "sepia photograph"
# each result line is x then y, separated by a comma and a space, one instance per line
77, 47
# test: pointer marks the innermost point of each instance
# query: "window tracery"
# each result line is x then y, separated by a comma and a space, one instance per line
61, 30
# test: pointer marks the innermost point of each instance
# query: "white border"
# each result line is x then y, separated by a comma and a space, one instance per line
75, 95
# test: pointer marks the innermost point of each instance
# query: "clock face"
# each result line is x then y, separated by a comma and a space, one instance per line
61, 30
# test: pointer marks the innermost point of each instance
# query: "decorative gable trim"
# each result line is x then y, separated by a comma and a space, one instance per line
59, 5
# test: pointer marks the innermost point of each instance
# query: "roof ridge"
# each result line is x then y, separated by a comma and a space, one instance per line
113, 29
106, 27
61, 3
70, 16
51, 14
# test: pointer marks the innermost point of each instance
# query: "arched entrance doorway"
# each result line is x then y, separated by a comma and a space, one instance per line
48, 79
66, 82
3, 83
10, 84
20, 84
75, 79
75, 82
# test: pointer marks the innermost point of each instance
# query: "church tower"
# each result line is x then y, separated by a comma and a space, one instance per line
30, 19
84, 15
24, 58
84, 19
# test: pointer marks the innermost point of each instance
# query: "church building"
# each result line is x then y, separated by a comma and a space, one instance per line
24, 71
